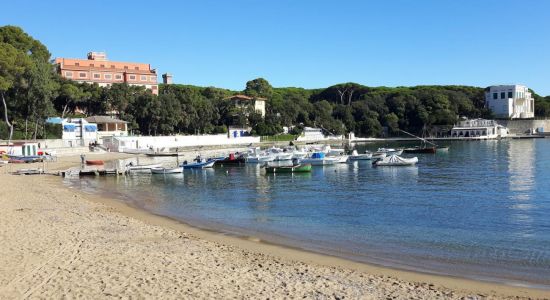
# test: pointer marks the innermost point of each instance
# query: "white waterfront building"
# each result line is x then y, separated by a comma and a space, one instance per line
510, 101
478, 129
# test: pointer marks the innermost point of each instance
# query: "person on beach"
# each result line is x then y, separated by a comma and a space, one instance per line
82, 159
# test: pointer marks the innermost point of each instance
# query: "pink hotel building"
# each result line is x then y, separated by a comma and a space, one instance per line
97, 69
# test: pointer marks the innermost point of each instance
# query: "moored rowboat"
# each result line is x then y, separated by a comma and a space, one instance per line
289, 169
161, 170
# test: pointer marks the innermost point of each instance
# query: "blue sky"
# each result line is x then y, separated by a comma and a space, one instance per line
305, 43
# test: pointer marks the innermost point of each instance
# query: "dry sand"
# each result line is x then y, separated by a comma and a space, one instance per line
60, 243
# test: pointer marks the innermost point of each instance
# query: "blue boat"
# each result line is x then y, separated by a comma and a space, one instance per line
199, 163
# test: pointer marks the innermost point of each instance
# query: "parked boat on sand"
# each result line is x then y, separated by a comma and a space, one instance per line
95, 162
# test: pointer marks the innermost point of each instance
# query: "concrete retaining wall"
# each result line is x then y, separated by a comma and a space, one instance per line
164, 143
525, 126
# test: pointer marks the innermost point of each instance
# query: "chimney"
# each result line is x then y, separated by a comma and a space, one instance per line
167, 78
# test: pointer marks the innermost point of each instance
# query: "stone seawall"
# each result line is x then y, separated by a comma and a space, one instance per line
525, 126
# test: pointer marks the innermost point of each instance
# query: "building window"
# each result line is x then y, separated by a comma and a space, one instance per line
152, 78
82, 75
69, 74
97, 76
103, 66
143, 78
92, 65
495, 95
77, 64
510, 95
118, 76
112, 66
502, 95
154, 87
137, 68
126, 67
132, 77
108, 76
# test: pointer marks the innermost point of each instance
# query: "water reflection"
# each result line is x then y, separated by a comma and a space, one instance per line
521, 169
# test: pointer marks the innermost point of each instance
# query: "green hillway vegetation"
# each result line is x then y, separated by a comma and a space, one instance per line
31, 90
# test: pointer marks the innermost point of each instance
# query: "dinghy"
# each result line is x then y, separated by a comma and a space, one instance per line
394, 160
289, 169
162, 170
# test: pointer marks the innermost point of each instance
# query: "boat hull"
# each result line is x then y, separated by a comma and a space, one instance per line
420, 150
143, 167
95, 162
289, 169
319, 161
199, 165
167, 170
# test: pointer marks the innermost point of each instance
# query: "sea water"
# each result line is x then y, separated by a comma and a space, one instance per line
480, 210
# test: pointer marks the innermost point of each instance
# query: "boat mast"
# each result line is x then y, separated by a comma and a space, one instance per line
422, 139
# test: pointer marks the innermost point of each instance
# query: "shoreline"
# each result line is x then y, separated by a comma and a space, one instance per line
425, 283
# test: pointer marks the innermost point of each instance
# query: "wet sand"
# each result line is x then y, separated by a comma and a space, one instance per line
60, 242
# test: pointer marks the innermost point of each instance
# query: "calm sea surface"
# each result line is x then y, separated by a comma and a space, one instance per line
482, 210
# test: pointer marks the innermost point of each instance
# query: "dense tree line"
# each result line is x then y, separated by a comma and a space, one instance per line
31, 90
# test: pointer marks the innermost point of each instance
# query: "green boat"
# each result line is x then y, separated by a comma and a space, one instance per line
289, 169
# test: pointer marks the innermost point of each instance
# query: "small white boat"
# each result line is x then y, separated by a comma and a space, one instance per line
338, 154
377, 155
132, 167
319, 159
356, 156
395, 160
161, 170
389, 151
259, 158
299, 154
280, 154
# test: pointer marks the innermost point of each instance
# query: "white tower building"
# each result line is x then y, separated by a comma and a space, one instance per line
510, 101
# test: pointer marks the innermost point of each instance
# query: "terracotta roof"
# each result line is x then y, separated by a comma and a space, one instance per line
244, 97
103, 119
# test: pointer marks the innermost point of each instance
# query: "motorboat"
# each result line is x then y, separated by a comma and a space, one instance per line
319, 159
230, 160
339, 154
356, 156
280, 155
395, 160
389, 151
377, 155
199, 163
259, 158
162, 170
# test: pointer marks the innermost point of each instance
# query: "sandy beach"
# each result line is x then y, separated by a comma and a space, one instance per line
61, 243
